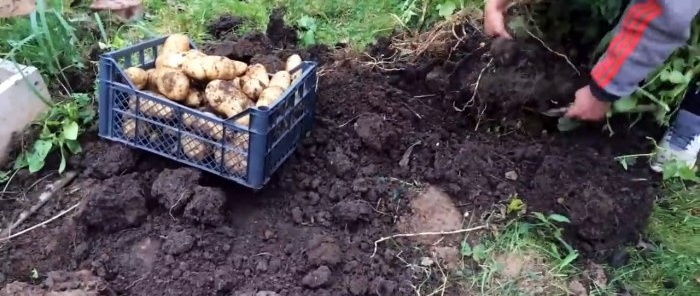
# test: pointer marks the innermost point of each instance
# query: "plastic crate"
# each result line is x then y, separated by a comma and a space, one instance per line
248, 155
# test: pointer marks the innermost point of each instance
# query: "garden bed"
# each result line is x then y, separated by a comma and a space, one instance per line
148, 226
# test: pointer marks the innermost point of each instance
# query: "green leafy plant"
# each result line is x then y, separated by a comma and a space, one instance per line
59, 130
308, 29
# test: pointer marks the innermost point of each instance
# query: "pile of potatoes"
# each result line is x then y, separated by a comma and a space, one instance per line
216, 85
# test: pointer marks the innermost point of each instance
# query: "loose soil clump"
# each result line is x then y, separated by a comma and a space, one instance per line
149, 226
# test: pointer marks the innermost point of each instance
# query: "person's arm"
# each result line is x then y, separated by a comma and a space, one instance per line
649, 31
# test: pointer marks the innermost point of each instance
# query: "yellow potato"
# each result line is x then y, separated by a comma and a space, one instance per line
129, 128
194, 148
241, 67
258, 71
237, 82
151, 108
175, 43
205, 125
235, 162
171, 60
282, 79
225, 98
151, 83
138, 76
173, 84
193, 53
269, 96
210, 68
194, 98
252, 88
294, 66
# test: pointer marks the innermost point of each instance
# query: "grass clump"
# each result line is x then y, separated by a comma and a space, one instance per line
670, 264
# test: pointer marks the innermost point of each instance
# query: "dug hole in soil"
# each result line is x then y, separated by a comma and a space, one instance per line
382, 140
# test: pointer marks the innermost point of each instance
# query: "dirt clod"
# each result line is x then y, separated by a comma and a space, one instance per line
317, 278
114, 204
432, 211
178, 242
349, 211
102, 159
324, 250
206, 206
375, 132
80, 283
173, 188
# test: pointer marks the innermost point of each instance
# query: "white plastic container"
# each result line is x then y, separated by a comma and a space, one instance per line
21, 91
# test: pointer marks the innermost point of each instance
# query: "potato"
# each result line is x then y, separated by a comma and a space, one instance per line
234, 161
211, 68
194, 148
282, 79
171, 60
252, 89
205, 126
194, 98
129, 128
151, 108
175, 43
241, 67
237, 83
193, 53
137, 76
258, 71
269, 96
294, 62
225, 98
173, 84
151, 83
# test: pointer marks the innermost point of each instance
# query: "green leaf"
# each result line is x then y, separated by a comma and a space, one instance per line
466, 249
625, 105
515, 205
446, 9
670, 170
36, 159
540, 216
21, 161
559, 218
676, 77
308, 38
73, 146
523, 228
479, 253
70, 130
307, 23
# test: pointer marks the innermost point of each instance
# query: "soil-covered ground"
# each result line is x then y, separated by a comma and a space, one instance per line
396, 147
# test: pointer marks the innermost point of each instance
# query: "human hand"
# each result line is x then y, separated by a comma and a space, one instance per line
587, 107
494, 19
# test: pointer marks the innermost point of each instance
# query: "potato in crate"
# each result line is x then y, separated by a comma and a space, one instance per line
217, 114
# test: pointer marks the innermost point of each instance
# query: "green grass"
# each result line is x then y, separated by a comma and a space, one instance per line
674, 267
320, 21
46, 39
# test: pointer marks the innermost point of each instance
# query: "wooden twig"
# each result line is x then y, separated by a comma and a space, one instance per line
376, 243
40, 224
43, 198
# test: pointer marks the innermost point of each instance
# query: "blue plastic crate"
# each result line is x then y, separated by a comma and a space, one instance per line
248, 155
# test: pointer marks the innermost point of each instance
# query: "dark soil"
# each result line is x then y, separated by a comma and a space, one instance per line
148, 226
